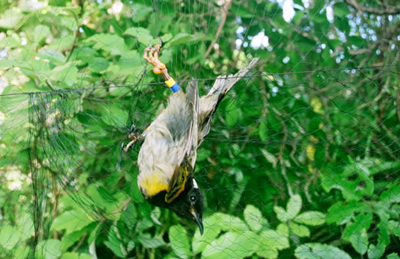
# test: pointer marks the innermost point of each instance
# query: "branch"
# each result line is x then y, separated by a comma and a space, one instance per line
225, 10
364, 9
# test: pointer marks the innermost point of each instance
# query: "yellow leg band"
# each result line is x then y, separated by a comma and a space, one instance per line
170, 82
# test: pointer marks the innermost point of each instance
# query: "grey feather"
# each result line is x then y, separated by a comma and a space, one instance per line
209, 103
181, 127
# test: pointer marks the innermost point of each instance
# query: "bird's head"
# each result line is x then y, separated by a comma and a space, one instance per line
190, 203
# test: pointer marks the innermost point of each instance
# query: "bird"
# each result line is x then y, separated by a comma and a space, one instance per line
167, 156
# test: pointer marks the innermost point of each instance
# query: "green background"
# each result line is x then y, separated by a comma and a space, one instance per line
302, 160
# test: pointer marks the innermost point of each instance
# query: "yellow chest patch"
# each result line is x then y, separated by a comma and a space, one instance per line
152, 185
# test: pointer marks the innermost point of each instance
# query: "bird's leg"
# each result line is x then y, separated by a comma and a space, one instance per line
134, 136
151, 55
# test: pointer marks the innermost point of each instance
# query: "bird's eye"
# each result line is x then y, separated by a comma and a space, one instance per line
193, 198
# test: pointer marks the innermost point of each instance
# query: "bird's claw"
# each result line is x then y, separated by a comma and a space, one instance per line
134, 136
151, 55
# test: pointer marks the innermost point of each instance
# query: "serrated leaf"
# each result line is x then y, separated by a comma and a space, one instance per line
231, 245
273, 240
253, 217
311, 218
48, 249
179, 241
319, 251
294, 206
356, 232
391, 196
230, 223
281, 214
376, 252
299, 230
211, 231
151, 242
359, 241
340, 213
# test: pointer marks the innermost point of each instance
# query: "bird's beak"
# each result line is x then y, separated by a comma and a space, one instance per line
198, 221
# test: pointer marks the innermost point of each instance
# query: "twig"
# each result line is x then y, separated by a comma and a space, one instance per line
383, 11
225, 10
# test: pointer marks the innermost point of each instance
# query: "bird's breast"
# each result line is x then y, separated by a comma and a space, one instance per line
151, 184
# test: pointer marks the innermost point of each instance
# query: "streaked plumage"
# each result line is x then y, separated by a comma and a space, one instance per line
168, 154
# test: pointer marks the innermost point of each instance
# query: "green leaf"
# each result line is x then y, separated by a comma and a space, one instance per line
253, 217
267, 252
114, 242
211, 231
299, 230
393, 256
320, 251
230, 223
179, 241
109, 42
263, 130
231, 245
356, 232
62, 44
151, 242
341, 9
341, 213
9, 237
311, 218
394, 228
203, 154
98, 64
281, 214
294, 206
67, 74
41, 32
391, 196
233, 113
10, 18
48, 249
272, 239
70, 256
359, 241
182, 38
270, 158
71, 221
376, 252
143, 36
115, 116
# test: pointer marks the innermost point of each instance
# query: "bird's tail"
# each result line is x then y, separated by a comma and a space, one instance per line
209, 103
192, 99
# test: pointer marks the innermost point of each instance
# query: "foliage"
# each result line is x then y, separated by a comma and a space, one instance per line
302, 159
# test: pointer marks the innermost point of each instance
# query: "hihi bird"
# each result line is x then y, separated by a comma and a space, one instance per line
168, 154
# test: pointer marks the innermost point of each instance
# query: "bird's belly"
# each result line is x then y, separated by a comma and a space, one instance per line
152, 184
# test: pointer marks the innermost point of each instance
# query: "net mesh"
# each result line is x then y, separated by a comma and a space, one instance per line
303, 155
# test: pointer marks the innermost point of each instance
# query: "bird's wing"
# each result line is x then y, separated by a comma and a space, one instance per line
185, 168
209, 103
192, 99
